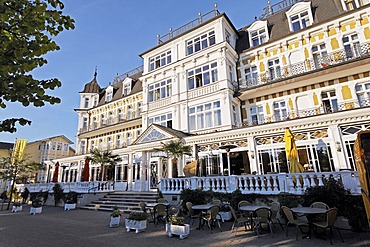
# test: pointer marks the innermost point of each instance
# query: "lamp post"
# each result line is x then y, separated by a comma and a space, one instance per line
227, 148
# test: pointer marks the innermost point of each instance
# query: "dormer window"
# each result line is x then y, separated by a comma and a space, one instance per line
109, 94
258, 33
126, 88
86, 105
300, 16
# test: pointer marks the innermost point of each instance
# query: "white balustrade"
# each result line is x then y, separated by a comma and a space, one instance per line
262, 184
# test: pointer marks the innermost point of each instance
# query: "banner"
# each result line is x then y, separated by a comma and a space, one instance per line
18, 150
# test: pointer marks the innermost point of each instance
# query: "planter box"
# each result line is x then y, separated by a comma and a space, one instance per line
139, 226
69, 206
224, 216
181, 231
17, 209
114, 221
34, 211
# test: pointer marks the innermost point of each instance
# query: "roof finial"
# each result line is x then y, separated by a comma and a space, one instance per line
96, 72
269, 7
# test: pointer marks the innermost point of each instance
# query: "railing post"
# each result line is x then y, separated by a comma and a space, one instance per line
193, 183
282, 178
349, 181
232, 183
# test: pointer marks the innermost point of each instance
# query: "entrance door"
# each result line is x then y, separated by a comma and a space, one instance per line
154, 174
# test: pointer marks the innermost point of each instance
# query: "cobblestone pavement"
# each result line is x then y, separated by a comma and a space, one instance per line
79, 228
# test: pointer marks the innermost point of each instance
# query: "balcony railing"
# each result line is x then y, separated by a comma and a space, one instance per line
316, 63
188, 26
323, 109
271, 184
112, 121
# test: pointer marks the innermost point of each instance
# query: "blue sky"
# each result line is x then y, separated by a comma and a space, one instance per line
109, 34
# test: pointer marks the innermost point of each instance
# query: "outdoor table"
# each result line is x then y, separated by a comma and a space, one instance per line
203, 208
310, 214
252, 209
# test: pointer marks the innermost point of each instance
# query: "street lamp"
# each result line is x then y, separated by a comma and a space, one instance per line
227, 147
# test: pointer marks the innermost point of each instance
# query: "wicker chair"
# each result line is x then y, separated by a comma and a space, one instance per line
159, 213
262, 216
238, 220
328, 223
275, 208
192, 215
211, 217
291, 221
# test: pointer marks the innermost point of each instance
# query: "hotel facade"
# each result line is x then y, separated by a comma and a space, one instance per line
229, 94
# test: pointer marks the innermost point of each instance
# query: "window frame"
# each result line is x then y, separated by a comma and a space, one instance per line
198, 77
155, 90
258, 27
202, 41
296, 10
160, 60
199, 114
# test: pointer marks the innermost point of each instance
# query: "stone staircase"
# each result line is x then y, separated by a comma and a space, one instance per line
125, 201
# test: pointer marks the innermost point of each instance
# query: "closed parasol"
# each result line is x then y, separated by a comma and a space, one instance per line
292, 152
86, 172
56, 173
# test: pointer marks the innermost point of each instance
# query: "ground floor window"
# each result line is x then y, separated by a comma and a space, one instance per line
272, 160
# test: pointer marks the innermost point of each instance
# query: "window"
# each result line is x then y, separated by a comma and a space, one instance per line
350, 4
160, 90
120, 115
118, 141
363, 94
201, 42
83, 146
351, 45
102, 120
251, 76
160, 60
320, 55
86, 103
109, 96
109, 143
202, 76
164, 120
258, 37
110, 117
280, 111
59, 146
235, 119
205, 116
92, 145
65, 147
129, 138
227, 37
126, 89
300, 21
96, 101
258, 33
257, 116
299, 16
329, 101
274, 69
84, 123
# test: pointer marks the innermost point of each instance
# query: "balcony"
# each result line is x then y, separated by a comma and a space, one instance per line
319, 62
321, 110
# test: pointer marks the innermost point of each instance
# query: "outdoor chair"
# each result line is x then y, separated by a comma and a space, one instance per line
216, 202
319, 205
210, 217
149, 212
328, 223
275, 208
238, 220
292, 221
161, 200
241, 204
192, 215
262, 216
159, 213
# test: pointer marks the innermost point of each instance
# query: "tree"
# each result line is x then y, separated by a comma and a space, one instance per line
175, 150
26, 31
104, 158
14, 170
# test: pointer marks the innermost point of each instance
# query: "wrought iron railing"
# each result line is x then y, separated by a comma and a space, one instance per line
112, 121
320, 110
201, 18
128, 74
278, 7
312, 64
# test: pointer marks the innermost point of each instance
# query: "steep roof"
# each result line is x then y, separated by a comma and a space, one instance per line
92, 87
278, 25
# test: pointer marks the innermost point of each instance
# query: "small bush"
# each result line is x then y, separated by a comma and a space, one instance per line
71, 197
137, 215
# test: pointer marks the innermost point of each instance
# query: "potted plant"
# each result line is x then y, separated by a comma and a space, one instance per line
115, 217
224, 213
70, 200
136, 220
176, 226
36, 206
17, 207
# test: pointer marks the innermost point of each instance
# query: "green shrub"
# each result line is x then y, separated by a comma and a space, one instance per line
176, 220
137, 215
58, 194
71, 197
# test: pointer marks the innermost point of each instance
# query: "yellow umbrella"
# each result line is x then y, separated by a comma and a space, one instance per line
292, 152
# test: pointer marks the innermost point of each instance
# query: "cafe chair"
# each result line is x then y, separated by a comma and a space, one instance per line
292, 221
216, 202
146, 210
191, 214
328, 224
210, 217
275, 208
241, 204
320, 217
161, 200
159, 213
238, 220
262, 216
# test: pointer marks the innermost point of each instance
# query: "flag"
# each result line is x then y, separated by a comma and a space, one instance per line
18, 150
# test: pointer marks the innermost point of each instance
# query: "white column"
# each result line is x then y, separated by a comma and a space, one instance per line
337, 148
